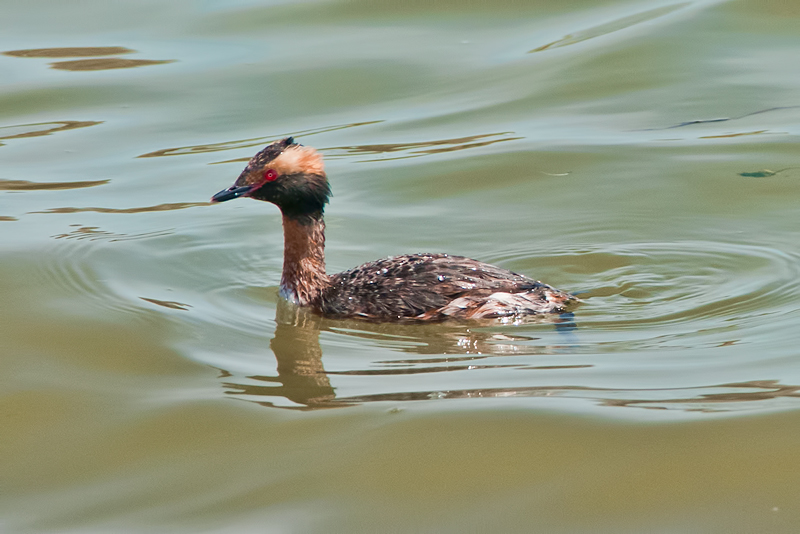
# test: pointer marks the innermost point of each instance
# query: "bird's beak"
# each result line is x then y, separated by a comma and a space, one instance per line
231, 193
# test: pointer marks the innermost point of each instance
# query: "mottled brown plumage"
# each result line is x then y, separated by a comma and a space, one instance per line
416, 287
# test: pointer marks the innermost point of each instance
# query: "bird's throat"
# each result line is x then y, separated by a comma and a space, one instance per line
303, 279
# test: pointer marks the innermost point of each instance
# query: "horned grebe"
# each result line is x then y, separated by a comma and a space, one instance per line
415, 287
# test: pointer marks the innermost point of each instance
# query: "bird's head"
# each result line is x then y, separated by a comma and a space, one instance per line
289, 175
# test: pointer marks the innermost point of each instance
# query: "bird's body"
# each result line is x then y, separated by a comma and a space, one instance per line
436, 287
416, 287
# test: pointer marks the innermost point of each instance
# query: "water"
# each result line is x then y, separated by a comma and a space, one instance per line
639, 154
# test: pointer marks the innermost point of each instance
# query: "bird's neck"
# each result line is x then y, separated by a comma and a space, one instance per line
303, 279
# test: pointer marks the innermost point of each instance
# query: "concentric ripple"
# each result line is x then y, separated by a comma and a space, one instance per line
69, 270
646, 284
645, 304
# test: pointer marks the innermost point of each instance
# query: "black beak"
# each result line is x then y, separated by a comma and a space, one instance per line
231, 193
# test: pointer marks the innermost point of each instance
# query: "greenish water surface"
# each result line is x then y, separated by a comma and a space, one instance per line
641, 154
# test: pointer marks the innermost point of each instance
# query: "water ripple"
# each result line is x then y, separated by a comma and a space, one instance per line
145, 209
107, 63
84, 51
713, 398
95, 63
26, 185
645, 284
68, 270
246, 143
36, 129
720, 119
423, 148
613, 26
94, 233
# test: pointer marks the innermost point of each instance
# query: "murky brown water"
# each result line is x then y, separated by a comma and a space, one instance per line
640, 154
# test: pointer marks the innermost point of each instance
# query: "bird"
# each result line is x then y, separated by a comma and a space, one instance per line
408, 288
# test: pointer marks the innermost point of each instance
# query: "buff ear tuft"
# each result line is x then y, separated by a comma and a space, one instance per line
297, 159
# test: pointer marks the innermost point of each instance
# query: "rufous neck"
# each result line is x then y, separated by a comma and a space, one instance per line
303, 279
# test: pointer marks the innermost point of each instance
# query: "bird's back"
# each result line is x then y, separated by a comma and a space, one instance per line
434, 287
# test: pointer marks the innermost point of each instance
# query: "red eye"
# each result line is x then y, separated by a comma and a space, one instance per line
270, 175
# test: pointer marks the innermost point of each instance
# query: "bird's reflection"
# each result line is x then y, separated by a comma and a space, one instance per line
301, 375
303, 380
